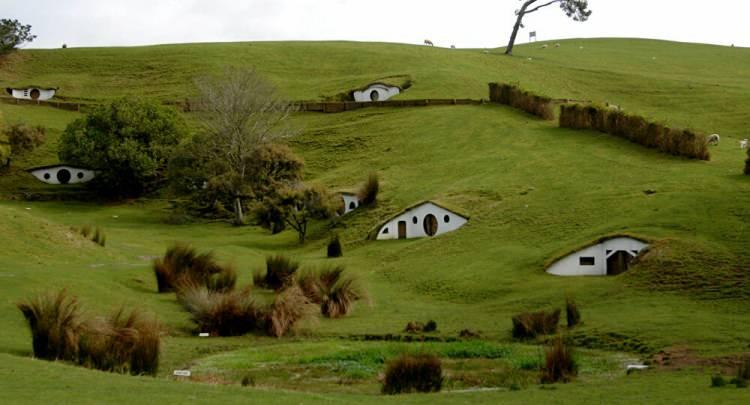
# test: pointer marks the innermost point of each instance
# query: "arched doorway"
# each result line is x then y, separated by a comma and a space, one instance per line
618, 262
430, 225
34, 94
374, 95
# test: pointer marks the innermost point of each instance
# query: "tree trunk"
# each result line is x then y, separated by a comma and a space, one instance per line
521, 13
238, 216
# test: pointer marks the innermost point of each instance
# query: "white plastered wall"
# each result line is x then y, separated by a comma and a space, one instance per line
571, 265
416, 230
384, 93
25, 94
351, 202
49, 175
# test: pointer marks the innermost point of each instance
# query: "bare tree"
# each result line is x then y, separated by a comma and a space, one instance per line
575, 9
240, 112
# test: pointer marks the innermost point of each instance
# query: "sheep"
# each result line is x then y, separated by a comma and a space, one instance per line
557, 45
743, 144
486, 51
614, 107
714, 139
545, 46
428, 42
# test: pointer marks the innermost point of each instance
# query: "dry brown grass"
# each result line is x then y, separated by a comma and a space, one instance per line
528, 325
183, 265
279, 273
333, 289
289, 308
229, 313
559, 363
55, 323
413, 373
368, 193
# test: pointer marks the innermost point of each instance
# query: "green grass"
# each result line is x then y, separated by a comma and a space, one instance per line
533, 192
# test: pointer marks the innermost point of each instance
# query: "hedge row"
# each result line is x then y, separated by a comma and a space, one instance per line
678, 142
514, 96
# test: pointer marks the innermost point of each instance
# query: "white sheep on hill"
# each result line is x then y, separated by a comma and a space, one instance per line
714, 139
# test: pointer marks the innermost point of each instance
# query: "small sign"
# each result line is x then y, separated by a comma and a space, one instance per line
203, 334
182, 373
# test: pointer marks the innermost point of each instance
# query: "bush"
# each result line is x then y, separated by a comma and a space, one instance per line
368, 194
572, 315
55, 323
182, 265
231, 313
717, 381
279, 273
24, 138
419, 327
128, 142
333, 289
747, 163
410, 373
528, 325
513, 96
334, 247
121, 343
559, 363
5, 154
635, 129
289, 308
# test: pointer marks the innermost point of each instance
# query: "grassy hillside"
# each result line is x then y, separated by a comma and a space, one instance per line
533, 191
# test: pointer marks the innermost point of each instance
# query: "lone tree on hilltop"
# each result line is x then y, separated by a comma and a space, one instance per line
578, 10
241, 112
13, 34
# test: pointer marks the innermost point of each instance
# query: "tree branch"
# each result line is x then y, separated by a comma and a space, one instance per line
542, 6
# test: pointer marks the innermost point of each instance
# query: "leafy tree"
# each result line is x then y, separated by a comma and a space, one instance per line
24, 138
575, 9
13, 34
127, 142
296, 207
211, 184
240, 112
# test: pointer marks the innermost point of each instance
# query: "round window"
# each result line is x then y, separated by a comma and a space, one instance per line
46, 176
374, 95
447, 219
414, 220
63, 176
35, 93
79, 175
430, 225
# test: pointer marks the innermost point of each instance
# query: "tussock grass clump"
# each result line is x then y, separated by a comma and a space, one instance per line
99, 237
419, 327
514, 96
528, 325
559, 363
747, 163
413, 373
289, 308
55, 323
123, 343
677, 142
333, 289
229, 313
95, 235
368, 193
334, 247
279, 273
183, 265
572, 314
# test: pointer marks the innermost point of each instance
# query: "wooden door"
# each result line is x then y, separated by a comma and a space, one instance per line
402, 229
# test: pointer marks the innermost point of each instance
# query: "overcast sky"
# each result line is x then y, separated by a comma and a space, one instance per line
466, 23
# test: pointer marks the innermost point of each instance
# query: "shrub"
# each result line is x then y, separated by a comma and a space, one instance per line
334, 247
430, 326
572, 315
368, 193
747, 163
24, 138
419, 327
55, 323
636, 129
559, 363
182, 264
410, 373
230, 313
289, 307
333, 289
5, 155
121, 343
128, 142
279, 273
717, 381
528, 325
